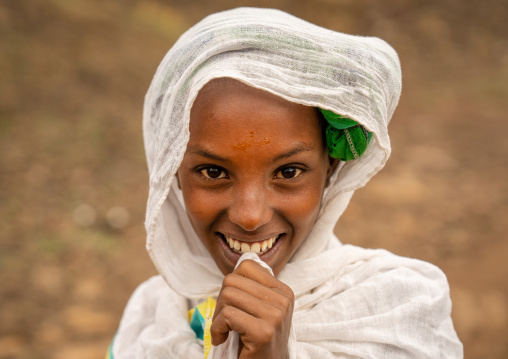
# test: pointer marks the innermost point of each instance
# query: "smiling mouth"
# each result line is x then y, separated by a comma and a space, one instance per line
259, 248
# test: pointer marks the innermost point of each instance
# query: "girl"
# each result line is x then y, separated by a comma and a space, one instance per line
258, 127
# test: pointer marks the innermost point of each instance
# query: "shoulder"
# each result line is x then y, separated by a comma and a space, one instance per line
152, 289
155, 321
348, 269
389, 280
150, 297
384, 301
366, 265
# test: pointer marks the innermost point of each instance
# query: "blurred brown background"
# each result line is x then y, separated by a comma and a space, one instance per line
73, 179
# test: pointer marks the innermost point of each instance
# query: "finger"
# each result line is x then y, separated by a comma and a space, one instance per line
263, 309
253, 332
234, 285
253, 270
228, 319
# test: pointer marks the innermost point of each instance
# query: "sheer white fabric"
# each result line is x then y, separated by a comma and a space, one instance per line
350, 302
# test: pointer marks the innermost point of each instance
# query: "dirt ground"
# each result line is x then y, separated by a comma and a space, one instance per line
73, 178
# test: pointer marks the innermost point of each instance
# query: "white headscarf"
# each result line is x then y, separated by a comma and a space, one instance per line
349, 301
357, 77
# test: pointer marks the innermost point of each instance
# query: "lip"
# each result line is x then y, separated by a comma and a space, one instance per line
268, 257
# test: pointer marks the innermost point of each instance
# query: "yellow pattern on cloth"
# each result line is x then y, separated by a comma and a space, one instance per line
206, 310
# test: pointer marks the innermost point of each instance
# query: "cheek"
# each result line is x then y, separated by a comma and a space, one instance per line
303, 208
306, 204
202, 207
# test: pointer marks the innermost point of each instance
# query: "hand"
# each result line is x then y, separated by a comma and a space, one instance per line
259, 307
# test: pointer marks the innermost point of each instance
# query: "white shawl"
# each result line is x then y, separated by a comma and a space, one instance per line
350, 302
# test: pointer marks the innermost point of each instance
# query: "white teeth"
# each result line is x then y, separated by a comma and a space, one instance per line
245, 248
257, 247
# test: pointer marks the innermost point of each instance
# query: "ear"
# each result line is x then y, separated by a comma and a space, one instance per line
332, 166
178, 180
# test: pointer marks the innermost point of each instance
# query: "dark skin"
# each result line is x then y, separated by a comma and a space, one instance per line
254, 172
259, 307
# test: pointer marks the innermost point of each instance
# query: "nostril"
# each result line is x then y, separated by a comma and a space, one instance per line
250, 208
250, 218
248, 222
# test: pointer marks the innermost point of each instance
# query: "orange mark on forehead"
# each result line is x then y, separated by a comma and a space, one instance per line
249, 142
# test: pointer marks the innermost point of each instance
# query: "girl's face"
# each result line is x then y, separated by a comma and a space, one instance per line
253, 173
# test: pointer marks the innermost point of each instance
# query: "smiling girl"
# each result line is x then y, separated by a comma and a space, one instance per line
258, 128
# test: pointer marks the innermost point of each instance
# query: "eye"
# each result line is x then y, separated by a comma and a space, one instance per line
288, 172
213, 172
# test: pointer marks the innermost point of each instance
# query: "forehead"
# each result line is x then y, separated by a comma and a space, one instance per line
230, 110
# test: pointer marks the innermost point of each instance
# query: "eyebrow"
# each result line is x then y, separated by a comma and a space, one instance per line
300, 148
201, 152
197, 150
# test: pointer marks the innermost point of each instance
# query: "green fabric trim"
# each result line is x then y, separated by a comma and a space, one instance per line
345, 138
109, 354
197, 323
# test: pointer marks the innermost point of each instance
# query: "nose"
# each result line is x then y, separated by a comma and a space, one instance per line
250, 208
